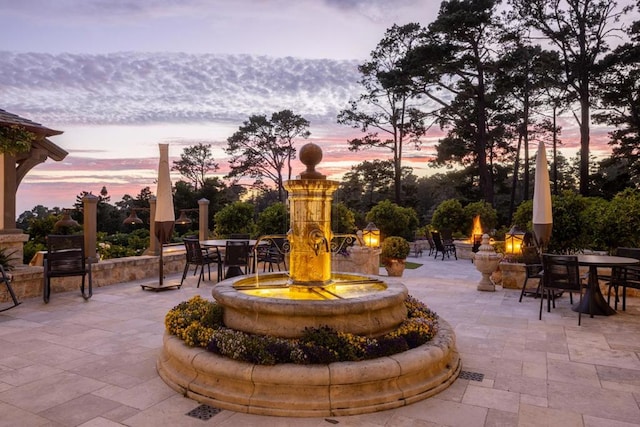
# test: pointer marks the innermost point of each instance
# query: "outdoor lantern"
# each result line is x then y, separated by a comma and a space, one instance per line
371, 235
132, 219
66, 220
513, 241
183, 219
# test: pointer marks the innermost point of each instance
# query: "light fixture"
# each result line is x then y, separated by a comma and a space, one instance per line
371, 235
132, 219
513, 241
183, 219
66, 220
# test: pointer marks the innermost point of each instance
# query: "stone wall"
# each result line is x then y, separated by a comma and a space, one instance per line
28, 280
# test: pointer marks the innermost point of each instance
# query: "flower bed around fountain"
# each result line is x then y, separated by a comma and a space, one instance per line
301, 389
335, 389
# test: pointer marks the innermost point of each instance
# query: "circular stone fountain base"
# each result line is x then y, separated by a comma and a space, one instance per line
290, 390
356, 304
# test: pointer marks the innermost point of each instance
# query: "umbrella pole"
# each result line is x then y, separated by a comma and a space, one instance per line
161, 267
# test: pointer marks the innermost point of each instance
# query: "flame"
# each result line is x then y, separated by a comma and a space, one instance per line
477, 227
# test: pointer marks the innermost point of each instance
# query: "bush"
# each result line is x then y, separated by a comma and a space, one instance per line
393, 220
621, 220
273, 220
343, 220
488, 217
394, 247
449, 215
235, 218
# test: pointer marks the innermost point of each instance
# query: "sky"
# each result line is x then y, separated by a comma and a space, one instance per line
120, 76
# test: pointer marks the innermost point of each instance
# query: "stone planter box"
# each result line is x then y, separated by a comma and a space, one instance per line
360, 260
463, 249
513, 275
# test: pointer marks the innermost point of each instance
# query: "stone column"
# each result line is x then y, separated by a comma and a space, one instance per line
203, 219
90, 226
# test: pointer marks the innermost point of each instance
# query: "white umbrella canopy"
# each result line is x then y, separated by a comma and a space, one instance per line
165, 217
542, 214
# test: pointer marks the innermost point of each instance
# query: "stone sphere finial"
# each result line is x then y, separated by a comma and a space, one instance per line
310, 155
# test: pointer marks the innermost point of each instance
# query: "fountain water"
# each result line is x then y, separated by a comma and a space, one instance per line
311, 296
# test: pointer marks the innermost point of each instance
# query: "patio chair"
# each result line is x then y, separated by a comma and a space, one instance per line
442, 247
533, 270
623, 277
432, 245
236, 258
561, 273
275, 254
200, 257
65, 258
6, 279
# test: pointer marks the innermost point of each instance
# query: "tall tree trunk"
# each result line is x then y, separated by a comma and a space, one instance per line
555, 153
584, 138
486, 184
525, 133
514, 180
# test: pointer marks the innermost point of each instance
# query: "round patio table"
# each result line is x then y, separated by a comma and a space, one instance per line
593, 294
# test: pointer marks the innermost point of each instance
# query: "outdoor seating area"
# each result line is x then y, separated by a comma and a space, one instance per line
517, 370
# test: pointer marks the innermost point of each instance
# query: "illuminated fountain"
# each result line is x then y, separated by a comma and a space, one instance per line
310, 295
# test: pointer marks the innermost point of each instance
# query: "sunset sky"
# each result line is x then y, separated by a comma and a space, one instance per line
118, 77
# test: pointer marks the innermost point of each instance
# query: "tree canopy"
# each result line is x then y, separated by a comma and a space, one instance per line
263, 148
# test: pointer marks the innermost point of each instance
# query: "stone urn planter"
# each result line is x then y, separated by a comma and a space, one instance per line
486, 261
395, 267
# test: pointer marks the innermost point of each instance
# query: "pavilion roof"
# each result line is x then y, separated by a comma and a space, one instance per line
53, 151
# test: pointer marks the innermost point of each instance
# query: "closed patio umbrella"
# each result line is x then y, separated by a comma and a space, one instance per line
165, 216
542, 214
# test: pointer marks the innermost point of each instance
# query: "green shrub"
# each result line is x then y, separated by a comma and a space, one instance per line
449, 215
235, 218
488, 217
273, 220
394, 247
620, 224
393, 220
343, 220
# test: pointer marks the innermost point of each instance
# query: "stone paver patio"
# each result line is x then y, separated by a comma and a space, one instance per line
72, 362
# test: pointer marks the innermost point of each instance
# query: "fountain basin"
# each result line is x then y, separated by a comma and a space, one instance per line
336, 389
356, 304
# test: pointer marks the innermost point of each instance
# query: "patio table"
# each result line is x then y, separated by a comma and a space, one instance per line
593, 293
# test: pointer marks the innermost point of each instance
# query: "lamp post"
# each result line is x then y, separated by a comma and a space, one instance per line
371, 236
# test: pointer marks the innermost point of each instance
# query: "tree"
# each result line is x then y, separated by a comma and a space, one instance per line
195, 163
526, 73
457, 62
579, 29
390, 103
263, 148
619, 91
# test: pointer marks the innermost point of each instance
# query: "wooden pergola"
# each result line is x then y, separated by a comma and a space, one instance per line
15, 168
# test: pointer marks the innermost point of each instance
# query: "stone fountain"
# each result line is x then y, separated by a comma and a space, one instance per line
311, 295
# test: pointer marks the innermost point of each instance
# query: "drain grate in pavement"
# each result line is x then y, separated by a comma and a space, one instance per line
203, 412
473, 376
